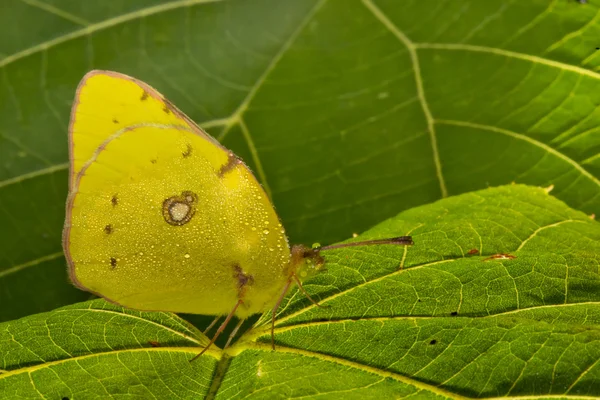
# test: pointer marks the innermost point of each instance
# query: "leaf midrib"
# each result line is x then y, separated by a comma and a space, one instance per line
280, 329
213, 352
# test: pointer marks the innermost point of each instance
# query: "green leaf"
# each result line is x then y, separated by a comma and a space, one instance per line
348, 111
430, 321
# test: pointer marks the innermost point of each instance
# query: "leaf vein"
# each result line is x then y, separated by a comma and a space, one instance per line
58, 12
101, 26
412, 50
525, 138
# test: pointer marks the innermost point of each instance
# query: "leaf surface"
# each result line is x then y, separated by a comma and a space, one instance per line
430, 321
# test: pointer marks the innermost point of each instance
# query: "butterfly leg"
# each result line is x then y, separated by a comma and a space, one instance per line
221, 328
273, 313
211, 324
306, 294
233, 333
283, 292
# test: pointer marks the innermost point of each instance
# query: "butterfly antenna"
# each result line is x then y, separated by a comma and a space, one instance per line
221, 328
306, 294
283, 292
400, 240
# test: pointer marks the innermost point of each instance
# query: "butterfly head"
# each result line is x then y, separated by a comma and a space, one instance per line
305, 262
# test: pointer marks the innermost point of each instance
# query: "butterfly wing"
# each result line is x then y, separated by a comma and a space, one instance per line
160, 216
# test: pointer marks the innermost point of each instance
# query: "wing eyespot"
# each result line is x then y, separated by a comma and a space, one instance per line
179, 210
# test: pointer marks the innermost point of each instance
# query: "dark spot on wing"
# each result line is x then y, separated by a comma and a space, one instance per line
232, 162
153, 161
166, 109
114, 200
187, 152
243, 279
113, 262
144, 96
178, 210
115, 121
108, 229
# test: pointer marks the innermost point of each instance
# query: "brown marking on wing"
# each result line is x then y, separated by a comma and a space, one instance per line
243, 280
187, 152
232, 162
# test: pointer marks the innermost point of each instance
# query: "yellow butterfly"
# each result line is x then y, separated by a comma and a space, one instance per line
160, 216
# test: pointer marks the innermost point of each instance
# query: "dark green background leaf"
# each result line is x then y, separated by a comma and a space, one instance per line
429, 321
348, 111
